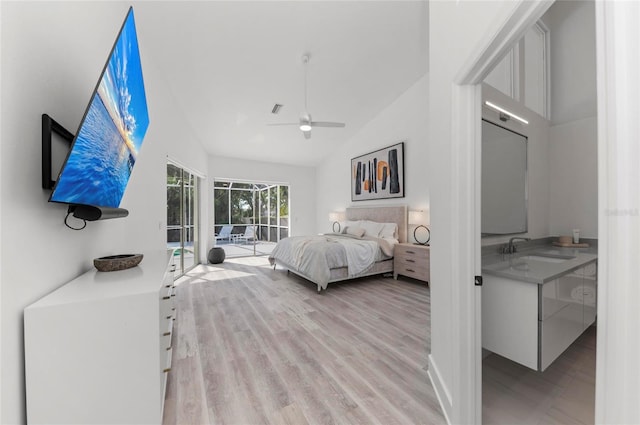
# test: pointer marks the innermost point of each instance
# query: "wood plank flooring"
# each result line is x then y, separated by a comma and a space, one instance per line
563, 394
258, 346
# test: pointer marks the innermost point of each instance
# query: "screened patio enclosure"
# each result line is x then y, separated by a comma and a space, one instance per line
250, 217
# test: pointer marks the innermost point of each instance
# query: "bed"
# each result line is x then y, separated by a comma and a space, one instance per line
325, 259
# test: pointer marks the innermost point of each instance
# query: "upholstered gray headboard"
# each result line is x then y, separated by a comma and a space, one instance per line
382, 214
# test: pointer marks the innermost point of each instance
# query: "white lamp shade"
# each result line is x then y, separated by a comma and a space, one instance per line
336, 216
418, 217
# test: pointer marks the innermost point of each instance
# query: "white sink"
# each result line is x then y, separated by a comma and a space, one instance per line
547, 258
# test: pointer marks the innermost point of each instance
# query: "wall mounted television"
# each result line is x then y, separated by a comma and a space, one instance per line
105, 148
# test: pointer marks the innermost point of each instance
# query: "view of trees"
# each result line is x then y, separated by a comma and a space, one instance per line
238, 203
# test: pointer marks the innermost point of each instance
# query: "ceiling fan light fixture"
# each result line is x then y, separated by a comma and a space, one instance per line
305, 127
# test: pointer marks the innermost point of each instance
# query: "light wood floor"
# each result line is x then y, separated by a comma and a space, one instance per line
257, 346
563, 394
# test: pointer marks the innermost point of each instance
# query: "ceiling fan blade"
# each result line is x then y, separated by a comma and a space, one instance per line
285, 123
307, 134
326, 124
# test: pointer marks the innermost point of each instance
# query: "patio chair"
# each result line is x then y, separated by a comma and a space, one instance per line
249, 234
225, 234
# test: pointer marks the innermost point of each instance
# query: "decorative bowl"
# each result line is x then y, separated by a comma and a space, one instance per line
565, 239
114, 263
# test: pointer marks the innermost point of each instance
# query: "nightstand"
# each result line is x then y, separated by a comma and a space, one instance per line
412, 261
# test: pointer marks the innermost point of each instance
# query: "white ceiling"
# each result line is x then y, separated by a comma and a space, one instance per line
227, 63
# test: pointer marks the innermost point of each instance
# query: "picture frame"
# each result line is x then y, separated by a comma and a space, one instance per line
378, 174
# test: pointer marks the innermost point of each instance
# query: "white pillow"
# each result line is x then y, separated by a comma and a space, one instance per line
371, 228
347, 224
389, 230
355, 231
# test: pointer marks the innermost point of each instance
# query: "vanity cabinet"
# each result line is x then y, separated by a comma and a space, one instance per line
568, 307
533, 324
98, 349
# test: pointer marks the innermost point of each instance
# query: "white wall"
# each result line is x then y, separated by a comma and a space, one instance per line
51, 57
573, 173
573, 60
403, 120
302, 190
458, 32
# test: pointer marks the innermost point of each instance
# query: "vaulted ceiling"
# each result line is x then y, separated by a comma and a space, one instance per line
227, 63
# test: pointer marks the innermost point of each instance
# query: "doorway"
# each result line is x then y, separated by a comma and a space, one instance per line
563, 196
456, 132
182, 217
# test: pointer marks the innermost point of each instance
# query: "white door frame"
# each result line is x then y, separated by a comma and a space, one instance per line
618, 64
466, 137
618, 345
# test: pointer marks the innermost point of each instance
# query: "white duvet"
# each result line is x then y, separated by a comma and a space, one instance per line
315, 256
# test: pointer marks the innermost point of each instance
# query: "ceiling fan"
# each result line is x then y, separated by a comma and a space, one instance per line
306, 123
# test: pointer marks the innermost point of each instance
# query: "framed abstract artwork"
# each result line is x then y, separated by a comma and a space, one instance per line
379, 174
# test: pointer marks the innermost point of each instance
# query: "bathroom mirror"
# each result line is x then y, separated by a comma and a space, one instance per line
504, 181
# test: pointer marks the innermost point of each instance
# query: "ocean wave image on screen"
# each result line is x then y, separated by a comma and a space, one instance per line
98, 171
106, 148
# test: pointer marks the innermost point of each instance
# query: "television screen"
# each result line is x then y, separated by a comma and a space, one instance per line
107, 143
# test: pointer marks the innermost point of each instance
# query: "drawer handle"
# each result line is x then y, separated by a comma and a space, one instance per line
167, 370
168, 317
166, 298
410, 260
412, 271
166, 334
173, 295
168, 286
169, 348
410, 252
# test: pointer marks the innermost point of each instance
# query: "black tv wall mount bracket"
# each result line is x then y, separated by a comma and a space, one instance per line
83, 212
49, 126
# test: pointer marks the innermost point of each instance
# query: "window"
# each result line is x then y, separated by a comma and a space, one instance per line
243, 204
504, 76
182, 217
523, 74
536, 74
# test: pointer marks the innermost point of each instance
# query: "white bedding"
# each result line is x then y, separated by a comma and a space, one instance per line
315, 256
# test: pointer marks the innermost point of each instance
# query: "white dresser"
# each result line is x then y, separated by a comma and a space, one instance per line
98, 349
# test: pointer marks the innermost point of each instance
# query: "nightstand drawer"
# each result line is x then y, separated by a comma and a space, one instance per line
413, 270
412, 252
412, 261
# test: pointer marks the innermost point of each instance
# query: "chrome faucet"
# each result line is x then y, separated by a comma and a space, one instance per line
511, 248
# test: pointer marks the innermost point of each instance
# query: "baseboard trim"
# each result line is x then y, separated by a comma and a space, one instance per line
444, 398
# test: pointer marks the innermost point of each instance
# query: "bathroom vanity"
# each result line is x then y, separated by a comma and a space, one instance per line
535, 304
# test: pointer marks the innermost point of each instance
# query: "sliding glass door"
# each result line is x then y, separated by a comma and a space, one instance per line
182, 217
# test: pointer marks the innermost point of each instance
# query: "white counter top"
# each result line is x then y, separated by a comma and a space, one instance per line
538, 264
96, 285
